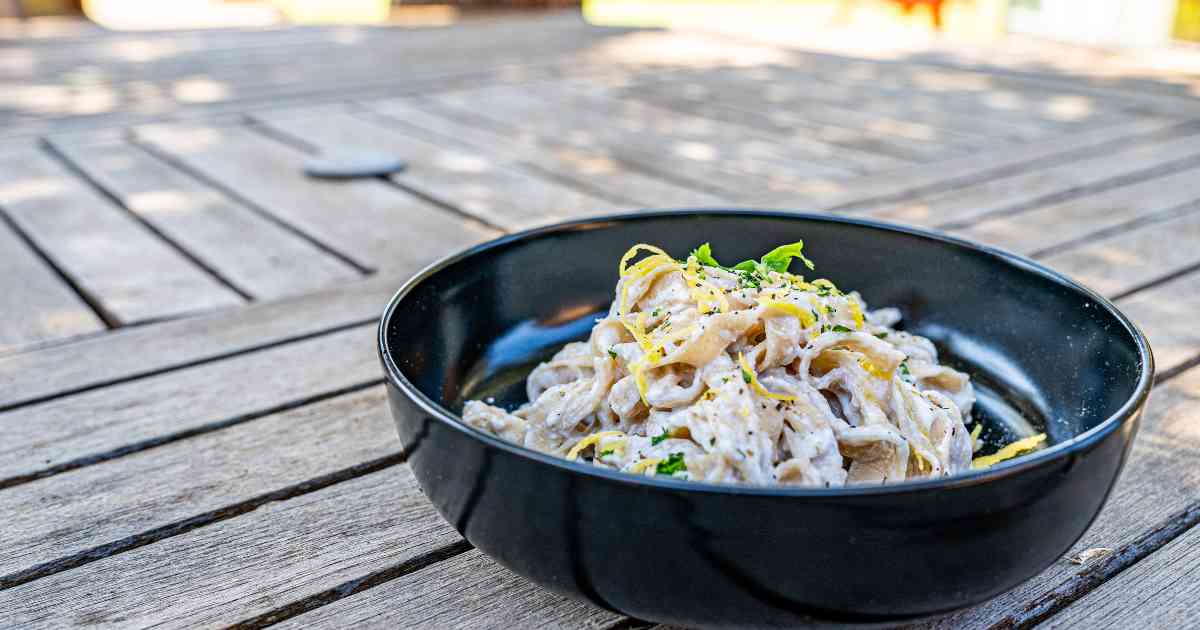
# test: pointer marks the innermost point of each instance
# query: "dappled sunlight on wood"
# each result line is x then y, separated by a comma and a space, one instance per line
199, 90
29, 188
680, 49
158, 202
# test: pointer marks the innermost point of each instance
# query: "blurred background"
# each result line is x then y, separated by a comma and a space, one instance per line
163, 159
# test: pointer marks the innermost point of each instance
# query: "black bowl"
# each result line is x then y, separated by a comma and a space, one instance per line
1041, 349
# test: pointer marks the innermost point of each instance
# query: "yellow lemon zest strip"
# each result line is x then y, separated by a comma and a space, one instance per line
806, 318
856, 313
705, 294
748, 371
589, 441
641, 466
641, 269
874, 370
1008, 452
638, 369
975, 435
632, 251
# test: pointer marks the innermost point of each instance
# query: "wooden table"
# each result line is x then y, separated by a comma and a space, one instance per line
193, 427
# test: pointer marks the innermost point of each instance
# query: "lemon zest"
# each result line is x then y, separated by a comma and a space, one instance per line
1008, 452
589, 441
704, 293
638, 369
806, 317
641, 466
875, 370
975, 436
632, 251
856, 313
747, 370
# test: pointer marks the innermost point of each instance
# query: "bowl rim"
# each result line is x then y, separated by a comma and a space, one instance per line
1010, 468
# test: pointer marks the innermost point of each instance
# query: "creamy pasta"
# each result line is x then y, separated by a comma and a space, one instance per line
747, 374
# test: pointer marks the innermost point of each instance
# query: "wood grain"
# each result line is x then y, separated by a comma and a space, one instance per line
243, 566
881, 190
129, 354
1166, 313
60, 516
861, 131
1159, 480
1042, 228
492, 187
127, 269
366, 220
1159, 592
701, 152
593, 98
260, 256
98, 423
466, 591
35, 303
1134, 257
593, 168
964, 206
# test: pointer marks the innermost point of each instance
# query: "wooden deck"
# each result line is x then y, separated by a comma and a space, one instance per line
192, 418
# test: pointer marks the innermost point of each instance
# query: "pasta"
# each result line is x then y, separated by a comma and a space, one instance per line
747, 374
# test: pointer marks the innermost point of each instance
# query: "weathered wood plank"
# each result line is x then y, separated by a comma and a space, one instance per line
593, 97
489, 186
701, 152
1159, 480
365, 220
133, 353
98, 423
1167, 314
860, 131
258, 255
1129, 259
466, 591
268, 73
594, 168
1158, 593
132, 274
35, 303
884, 189
241, 567
776, 84
58, 517
1040, 229
964, 206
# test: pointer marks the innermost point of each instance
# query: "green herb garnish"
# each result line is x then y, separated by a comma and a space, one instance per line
606, 452
704, 256
671, 465
881, 335
612, 353
904, 368
746, 376
842, 329
658, 438
778, 259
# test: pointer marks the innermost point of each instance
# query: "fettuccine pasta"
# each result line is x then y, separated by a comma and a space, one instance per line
747, 374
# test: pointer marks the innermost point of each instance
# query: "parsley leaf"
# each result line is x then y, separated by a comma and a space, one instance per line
881, 335
746, 376
612, 353
671, 465
704, 256
842, 329
904, 368
658, 438
780, 258
606, 452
